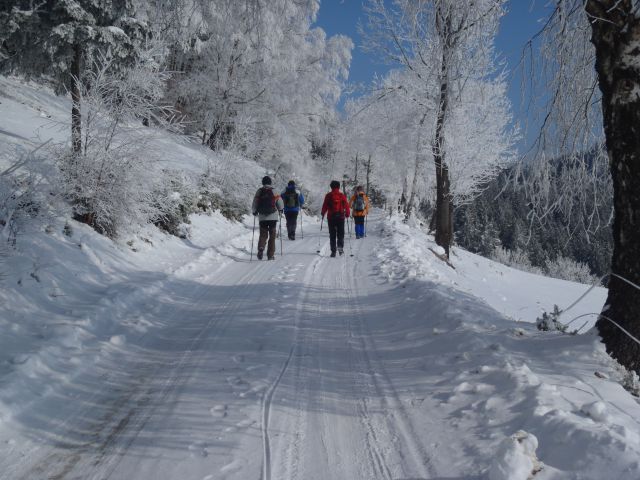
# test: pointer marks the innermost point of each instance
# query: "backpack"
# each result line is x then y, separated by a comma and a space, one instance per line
291, 199
266, 201
335, 205
359, 204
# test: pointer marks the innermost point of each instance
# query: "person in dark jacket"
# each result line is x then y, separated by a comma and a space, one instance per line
268, 206
336, 209
293, 201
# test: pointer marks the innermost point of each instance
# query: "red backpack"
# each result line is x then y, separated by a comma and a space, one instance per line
335, 205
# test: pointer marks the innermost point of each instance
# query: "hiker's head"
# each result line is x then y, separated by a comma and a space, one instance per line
334, 184
359, 188
291, 184
266, 180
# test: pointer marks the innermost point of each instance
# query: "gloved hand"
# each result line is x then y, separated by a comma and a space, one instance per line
255, 213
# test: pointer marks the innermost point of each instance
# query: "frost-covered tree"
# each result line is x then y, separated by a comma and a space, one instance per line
58, 39
258, 79
446, 46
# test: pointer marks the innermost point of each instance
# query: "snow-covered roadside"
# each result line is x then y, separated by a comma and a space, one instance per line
503, 384
519, 295
69, 298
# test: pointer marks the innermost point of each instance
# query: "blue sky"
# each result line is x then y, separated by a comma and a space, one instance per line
519, 24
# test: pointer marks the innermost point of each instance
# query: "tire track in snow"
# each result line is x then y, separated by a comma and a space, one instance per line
395, 408
129, 413
267, 400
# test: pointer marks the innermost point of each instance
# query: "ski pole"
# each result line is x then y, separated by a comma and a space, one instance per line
281, 234
366, 219
301, 230
253, 236
318, 250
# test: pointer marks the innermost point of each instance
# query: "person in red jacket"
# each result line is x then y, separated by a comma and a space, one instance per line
336, 209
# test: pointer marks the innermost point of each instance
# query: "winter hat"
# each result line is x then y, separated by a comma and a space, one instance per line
334, 184
266, 180
291, 183
360, 188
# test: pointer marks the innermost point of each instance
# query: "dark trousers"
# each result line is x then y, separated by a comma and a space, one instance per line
268, 231
336, 229
359, 226
292, 223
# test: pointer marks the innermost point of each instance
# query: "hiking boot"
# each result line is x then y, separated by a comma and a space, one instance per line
259, 255
271, 258
340, 251
333, 253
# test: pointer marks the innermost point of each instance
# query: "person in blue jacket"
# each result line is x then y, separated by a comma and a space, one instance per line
293, 201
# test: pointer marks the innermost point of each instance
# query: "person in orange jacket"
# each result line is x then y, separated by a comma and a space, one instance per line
360, 206
336, 208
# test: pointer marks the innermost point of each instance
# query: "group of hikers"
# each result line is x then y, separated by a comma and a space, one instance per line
268, 206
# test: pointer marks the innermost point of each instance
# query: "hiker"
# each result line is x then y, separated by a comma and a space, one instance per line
293, 201
336, 208
268, 206
360, 207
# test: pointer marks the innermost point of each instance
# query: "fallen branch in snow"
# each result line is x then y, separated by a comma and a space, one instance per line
442, 257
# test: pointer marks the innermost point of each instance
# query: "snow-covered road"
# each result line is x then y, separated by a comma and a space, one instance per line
260, 370
311, 367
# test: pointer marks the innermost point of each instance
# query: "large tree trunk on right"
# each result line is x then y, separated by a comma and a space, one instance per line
616, 37
76, 115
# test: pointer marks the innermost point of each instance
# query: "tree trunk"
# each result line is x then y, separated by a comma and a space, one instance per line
616, 37
355, 178
443, 220
416, 170
76, 116
368, 174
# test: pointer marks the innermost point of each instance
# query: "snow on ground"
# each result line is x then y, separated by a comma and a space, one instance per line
519, 295
163, 358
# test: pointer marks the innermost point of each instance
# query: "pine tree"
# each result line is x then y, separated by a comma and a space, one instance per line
59, 39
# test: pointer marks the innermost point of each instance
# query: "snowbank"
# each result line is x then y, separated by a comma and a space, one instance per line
491, 376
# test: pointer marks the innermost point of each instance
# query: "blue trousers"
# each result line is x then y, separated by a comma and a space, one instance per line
359, 226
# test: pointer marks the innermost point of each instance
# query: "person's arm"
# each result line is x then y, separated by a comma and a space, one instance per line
366, 205
279, 204
300, 199
346, 207
254, 204
325, 206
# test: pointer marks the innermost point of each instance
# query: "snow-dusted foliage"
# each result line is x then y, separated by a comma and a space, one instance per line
20, 197
108, 182
257, 79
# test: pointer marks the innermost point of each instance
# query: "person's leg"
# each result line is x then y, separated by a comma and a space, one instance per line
262, 240
271, 248
359, 226
332, 234
292, 221
340, 232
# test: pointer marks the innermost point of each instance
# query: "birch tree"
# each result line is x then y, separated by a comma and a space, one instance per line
448, 44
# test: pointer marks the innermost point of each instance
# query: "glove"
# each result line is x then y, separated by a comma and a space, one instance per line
255, 213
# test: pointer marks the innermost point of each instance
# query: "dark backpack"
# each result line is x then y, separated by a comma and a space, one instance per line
266, 201
291, 199
359, 204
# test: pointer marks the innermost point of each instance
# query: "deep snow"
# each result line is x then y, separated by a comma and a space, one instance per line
164, 358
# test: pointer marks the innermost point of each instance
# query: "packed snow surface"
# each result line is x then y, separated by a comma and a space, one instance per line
162, 358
